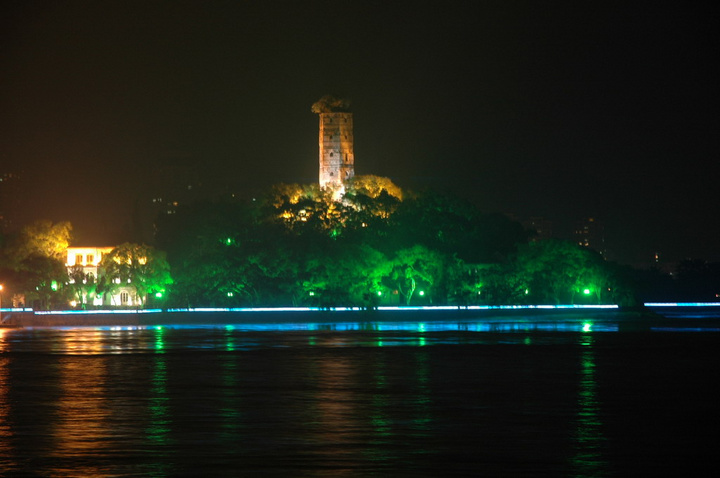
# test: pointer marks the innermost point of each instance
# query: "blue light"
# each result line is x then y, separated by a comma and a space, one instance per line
682, 304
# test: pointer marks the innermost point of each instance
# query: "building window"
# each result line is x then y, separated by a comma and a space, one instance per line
78, 259
124, 298
90, 259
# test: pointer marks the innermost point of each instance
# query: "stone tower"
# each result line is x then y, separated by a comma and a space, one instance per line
337, 161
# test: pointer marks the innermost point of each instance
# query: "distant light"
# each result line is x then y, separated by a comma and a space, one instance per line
230, 294
587, 327
586, 291
422, 292
379, 293
158, 294
311, 293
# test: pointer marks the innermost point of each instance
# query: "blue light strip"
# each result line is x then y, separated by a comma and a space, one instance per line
95, 312
337, 309
682, 304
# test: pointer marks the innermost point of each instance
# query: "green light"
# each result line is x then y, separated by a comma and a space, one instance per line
228, 241
311, 293
379, 293
586, 291
527, 291
53, 285
230, 294
158, 295
422, 292
159, 342
587, 327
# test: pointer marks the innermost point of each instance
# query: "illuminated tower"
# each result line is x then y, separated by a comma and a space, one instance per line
337, 161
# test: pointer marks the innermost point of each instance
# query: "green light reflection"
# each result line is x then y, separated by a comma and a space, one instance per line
159, 341
588, 459
229, 339
421, 400
159, 428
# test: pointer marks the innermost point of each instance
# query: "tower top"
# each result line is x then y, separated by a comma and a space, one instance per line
331, 104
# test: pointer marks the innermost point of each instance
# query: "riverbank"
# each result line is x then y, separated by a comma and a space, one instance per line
308, 315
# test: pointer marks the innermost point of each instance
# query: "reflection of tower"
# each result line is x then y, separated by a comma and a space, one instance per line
337, 161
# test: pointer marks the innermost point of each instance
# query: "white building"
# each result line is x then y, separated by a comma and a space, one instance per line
89, 259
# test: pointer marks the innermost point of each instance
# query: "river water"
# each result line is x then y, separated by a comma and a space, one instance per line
405, 399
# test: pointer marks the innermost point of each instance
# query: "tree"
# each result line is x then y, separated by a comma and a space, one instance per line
81, 284
142, 267
414, 267
372, 186
43, 238
40, 279
555, 271
37, 257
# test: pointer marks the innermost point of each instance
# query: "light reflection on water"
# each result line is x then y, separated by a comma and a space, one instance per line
588, 460
94, 340
426, 398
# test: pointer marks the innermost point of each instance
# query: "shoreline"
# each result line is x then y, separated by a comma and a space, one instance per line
211, 317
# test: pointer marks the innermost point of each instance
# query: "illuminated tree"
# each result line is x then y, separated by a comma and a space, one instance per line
414, 268
554, 271
81, 284
37, 257
330, 103
372, 186
40, 279
343, 274
139, 266
43, 238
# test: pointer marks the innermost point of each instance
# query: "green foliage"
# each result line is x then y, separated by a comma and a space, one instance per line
142, 267
554, 272
81, 285
34, 260
376, 245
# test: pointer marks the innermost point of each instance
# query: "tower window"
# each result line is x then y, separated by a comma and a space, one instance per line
331, 154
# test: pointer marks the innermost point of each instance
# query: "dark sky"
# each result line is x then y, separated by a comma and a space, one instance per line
555, 109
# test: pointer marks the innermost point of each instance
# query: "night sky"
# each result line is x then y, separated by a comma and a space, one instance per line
554, 109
